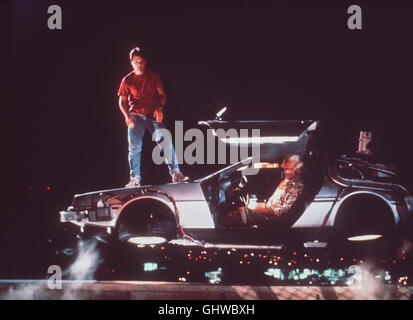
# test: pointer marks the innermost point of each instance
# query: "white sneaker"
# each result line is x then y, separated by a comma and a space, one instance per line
179, 177
134, 182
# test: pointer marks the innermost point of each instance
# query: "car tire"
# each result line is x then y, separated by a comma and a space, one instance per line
156, 232
367, 227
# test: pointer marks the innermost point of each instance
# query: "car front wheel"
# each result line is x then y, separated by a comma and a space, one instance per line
156, 232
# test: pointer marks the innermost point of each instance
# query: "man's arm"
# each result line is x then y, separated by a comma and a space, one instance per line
162, 97
123, 106
158, 114
284, 197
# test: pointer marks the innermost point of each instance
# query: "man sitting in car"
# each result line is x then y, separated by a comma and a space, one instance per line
278, 204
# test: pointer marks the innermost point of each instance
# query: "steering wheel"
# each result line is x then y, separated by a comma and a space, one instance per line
243, 196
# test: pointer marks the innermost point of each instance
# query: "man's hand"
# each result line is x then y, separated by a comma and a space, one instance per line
130, 121
158, 115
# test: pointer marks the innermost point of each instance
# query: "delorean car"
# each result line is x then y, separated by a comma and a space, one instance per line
345, 199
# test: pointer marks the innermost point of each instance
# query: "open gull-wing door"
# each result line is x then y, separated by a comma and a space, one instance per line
276, 138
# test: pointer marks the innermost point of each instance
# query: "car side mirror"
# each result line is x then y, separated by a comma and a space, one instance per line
220, 113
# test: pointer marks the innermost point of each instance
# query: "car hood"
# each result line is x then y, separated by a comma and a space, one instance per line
185, 191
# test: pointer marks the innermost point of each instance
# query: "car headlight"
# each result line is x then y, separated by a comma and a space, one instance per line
70, 215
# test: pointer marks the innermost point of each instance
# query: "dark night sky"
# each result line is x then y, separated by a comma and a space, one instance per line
264, 59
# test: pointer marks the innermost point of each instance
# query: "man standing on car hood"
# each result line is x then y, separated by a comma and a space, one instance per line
141, 100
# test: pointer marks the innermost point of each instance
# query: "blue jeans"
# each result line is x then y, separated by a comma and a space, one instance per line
135, 140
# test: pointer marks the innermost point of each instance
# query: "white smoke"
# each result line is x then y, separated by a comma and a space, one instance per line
87, 261
368, 283
81, 271
23, 292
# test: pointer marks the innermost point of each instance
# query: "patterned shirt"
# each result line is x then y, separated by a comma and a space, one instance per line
285, 195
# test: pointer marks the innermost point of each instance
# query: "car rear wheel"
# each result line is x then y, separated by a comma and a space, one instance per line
365, 225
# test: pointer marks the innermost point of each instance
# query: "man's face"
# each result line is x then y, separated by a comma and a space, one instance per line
138, 64
290, 168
